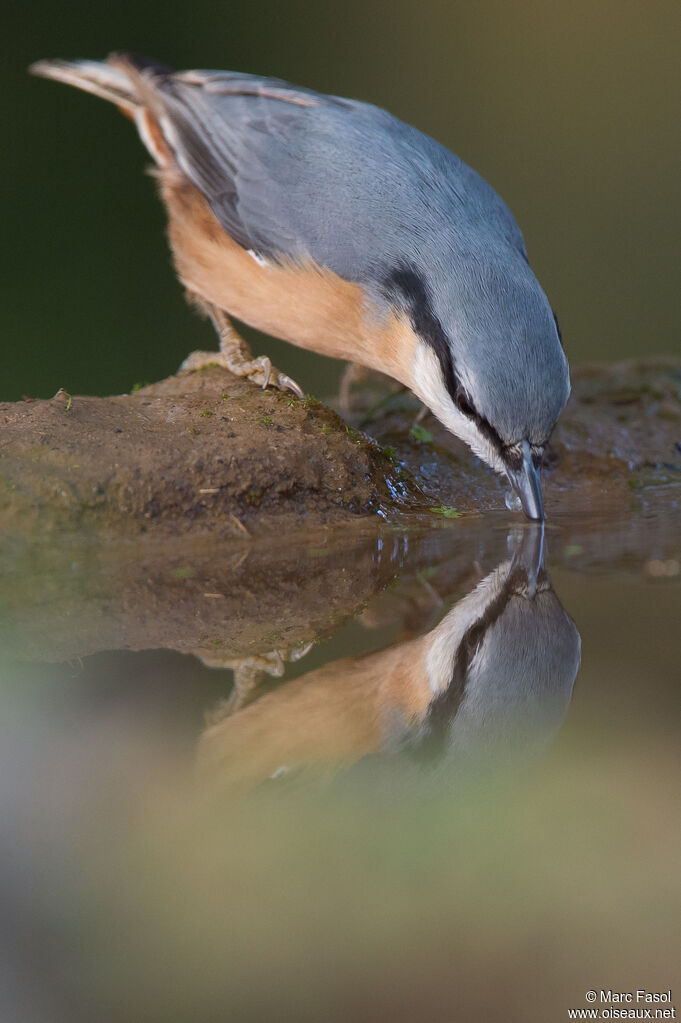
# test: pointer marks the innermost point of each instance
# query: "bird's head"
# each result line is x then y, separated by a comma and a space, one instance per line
503, 662
490, 364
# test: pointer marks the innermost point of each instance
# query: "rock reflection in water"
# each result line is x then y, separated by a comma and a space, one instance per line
495, 675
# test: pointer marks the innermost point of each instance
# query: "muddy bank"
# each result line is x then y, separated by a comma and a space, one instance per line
202, 451
209, 452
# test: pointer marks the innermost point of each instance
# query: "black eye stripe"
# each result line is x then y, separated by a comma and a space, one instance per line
464, 404
513, 458
444, 707
405, 284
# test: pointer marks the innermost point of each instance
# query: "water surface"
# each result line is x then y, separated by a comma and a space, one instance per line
444, 787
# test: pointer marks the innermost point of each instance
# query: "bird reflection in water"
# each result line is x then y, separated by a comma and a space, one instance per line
493, 679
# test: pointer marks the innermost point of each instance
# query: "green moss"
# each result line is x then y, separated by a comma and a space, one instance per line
291, 400
446, 510
138, 387
355, 436
206, 412
184, 572
269, 641
253, 497
572, 549
420, 434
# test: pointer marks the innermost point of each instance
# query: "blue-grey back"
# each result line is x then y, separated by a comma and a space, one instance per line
341, 181
292, 173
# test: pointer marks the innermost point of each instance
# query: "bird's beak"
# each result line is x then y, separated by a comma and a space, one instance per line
529, 556
525, 482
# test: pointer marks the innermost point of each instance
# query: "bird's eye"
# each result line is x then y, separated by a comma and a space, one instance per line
537, 454
463, 402
513, 456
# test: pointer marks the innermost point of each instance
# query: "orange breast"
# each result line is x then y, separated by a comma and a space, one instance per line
306, 304
327, 718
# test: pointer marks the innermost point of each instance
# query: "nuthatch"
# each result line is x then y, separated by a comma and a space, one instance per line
492, 680
333, 225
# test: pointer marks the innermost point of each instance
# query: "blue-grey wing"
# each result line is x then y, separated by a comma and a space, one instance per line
292, 173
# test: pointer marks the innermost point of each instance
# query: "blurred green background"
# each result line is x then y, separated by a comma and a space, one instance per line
571, 111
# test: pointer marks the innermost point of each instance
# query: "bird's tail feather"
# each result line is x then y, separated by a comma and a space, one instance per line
106, 80
130, 82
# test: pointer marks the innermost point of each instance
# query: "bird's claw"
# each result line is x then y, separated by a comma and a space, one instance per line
285, 383
299, 652
248, 674
260, 370
266, 375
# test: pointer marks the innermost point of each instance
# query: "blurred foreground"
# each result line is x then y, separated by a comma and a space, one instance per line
345, 852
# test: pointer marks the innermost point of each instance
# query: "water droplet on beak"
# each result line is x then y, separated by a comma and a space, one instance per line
513, 502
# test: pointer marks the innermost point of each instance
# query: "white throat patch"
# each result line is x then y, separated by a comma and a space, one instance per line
428, 383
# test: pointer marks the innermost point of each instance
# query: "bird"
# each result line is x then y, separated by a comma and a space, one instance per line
492, 681
332, 224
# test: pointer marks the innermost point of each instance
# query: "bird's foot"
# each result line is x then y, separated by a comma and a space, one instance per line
235, 356
248, 674
259, 370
